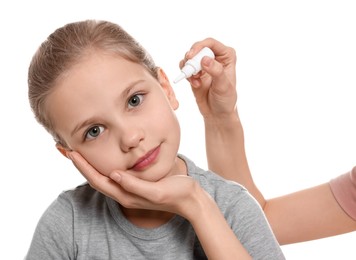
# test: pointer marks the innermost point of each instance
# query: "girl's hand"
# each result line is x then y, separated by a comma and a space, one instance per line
178, 194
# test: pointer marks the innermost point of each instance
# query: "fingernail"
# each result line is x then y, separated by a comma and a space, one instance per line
206, 61
189, 54
115, 176
69, 156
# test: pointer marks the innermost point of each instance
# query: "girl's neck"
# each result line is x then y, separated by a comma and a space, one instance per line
147, 218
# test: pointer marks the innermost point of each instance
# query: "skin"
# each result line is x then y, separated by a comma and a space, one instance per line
112, 125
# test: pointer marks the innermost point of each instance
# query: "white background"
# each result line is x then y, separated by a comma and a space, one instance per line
296, 83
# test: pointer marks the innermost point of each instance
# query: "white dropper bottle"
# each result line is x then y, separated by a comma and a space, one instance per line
193, 66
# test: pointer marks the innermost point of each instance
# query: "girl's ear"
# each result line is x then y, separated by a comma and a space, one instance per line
167, 88
62, 150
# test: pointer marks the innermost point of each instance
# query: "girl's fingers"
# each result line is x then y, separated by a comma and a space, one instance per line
141, 188
97, 180
88, 171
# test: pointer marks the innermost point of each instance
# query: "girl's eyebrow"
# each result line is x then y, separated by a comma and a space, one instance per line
126, 92
123, 96
82, 125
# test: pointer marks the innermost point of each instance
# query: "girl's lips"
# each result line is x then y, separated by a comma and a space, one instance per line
146, 160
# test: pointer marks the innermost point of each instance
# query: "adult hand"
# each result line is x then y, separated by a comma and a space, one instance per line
215, 86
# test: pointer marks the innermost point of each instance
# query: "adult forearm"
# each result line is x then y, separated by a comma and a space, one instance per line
306, 215
226, 153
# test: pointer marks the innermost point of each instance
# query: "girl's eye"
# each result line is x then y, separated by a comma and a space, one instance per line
94, 132
135, 100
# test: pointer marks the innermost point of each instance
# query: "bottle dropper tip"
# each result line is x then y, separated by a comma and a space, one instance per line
179, 78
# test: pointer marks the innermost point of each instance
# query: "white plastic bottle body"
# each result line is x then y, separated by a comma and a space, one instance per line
193, 66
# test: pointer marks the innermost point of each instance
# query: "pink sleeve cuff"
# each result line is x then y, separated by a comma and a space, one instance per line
344, 189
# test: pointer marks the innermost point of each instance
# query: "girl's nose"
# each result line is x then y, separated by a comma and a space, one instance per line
131, 138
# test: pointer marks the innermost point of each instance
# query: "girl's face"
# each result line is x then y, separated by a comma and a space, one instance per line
117, 116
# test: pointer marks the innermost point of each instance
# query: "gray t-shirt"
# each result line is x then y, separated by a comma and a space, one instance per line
84, 224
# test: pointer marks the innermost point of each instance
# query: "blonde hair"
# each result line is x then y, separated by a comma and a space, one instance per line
65, 47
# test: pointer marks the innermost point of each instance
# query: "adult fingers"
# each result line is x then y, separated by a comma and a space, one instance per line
222, 52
